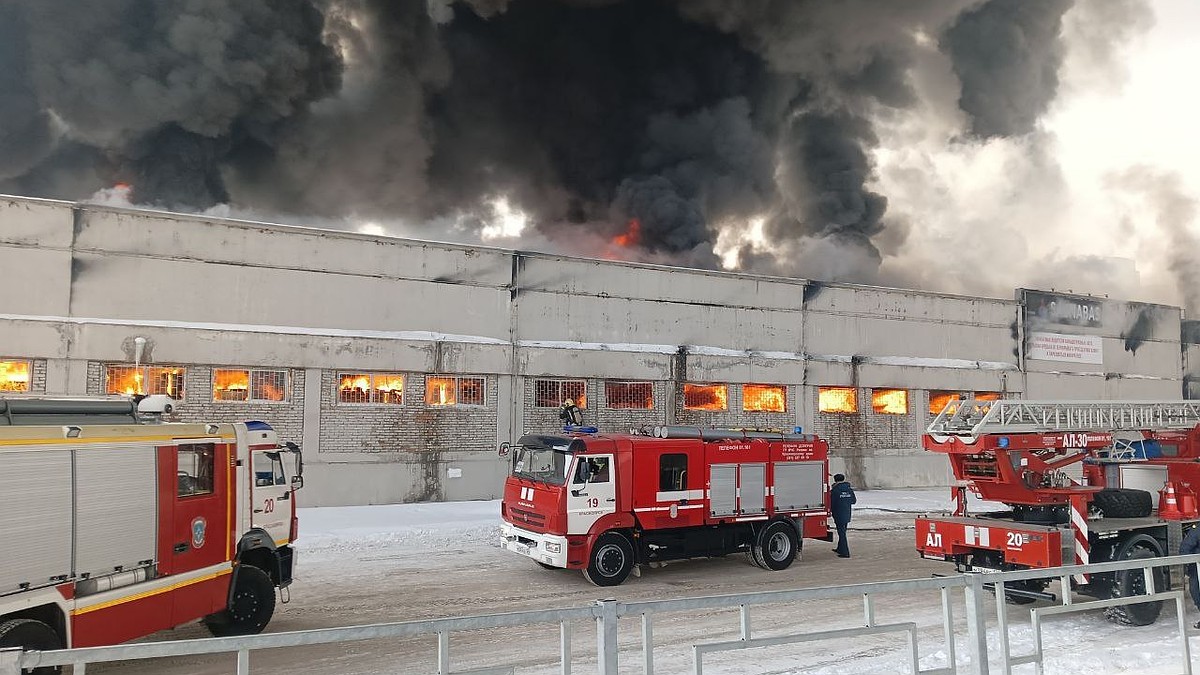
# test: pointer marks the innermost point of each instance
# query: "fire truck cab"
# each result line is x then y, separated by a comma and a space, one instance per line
605, 503
116, 525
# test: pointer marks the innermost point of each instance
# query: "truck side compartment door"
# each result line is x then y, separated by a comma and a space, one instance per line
679, 499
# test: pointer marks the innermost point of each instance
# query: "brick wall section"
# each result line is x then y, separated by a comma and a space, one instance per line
286, 418
734, 416
853, 436
410, 427
543, 420
37, 380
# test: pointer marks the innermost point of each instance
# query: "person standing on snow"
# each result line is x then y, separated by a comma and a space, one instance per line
841, 497
1190, 545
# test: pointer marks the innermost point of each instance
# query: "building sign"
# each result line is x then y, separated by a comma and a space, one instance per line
1059, 347
1063, 310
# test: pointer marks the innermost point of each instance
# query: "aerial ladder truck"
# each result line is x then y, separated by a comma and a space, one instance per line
1082, 481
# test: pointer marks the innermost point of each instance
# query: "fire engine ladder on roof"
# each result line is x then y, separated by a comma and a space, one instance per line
973, 418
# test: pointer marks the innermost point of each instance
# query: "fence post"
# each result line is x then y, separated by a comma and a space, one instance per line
606, 637
977, 624
10, 662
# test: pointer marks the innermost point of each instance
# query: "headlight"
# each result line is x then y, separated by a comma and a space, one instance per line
553, 548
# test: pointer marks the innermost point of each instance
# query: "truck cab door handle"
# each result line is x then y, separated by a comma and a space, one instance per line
683, 502
181, 548
611, 500
258, 510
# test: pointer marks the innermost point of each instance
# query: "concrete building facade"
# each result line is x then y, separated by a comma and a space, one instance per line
401, 365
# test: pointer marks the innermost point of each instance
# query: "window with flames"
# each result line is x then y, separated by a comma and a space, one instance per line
15, 376
250, 385
128, 380
837, 400
552, 393
889, 401
764, 398
939, 399
454, 391
383, 388
621, 395
705, 396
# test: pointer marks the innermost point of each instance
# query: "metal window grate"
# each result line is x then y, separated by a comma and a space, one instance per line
764, 398
268, 385
128, 380
629, 395
705, 396
385, 388
552, 393
15, 375
455, 391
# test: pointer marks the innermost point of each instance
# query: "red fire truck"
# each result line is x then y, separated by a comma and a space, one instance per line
116, 525
1083, 481
604, 503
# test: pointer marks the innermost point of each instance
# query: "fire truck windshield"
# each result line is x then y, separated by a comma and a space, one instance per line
544, 459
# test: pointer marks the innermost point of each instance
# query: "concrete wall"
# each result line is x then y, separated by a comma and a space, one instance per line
1191, 359
209, 293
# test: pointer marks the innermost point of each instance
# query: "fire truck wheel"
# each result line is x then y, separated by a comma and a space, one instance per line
31, 635
1127, 583
1123, 503
611, 561
250, 608
775, 547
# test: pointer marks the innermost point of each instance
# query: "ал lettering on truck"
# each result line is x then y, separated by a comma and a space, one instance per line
1084, 482
116, 524
605, 503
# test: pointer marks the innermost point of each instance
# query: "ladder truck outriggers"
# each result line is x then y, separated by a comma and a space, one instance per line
606, 503
115, 524
1084, 481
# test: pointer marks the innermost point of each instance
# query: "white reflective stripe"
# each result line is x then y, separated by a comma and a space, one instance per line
985, 536
668, 508
673, 495
751, 518
1078, 521
969, 534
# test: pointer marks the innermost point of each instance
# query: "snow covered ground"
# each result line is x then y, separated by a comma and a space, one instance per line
373, 564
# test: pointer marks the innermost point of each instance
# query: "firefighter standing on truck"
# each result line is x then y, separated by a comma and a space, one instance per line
841, 496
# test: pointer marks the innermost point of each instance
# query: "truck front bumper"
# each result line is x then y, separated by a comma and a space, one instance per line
550, 549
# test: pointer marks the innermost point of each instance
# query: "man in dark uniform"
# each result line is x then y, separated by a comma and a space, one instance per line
841, 497
1190, 545
570, 413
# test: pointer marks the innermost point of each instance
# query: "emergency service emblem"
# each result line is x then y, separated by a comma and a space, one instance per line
198, 527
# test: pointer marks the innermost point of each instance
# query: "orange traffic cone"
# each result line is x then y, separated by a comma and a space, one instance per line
1168, 504
1187, 502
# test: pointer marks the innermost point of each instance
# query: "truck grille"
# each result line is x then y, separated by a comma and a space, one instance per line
528, 517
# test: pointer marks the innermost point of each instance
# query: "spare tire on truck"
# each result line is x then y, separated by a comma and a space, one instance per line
1123, 503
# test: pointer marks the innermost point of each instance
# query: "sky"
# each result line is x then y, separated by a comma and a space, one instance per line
1009, 220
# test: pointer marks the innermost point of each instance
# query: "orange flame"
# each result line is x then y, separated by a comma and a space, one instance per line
705, 396
271, 393
354, 388
987, 396
439, 391
764, 397
890, 401
231, 385
630, 395
938, 400
632, 236
837, 399
389, 388
14, 376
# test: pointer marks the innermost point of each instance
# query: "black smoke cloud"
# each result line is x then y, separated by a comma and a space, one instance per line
685, 116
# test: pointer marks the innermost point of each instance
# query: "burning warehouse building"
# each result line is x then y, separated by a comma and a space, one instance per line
400, 365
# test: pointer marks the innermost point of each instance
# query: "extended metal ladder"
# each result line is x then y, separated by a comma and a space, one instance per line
972, 418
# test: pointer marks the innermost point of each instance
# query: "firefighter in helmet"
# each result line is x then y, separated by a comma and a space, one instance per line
570, 413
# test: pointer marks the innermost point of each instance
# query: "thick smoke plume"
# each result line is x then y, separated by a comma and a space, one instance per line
651, 126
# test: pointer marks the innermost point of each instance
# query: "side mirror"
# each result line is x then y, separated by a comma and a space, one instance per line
504, 448
297, 482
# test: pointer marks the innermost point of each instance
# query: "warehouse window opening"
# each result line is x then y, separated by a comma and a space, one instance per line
15, 376
705, 397
940, 399
552, 393
250, 385
383, 388
889, 401
837, 399
629, 395
454, 391
128, 381
194, 471
764, 398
